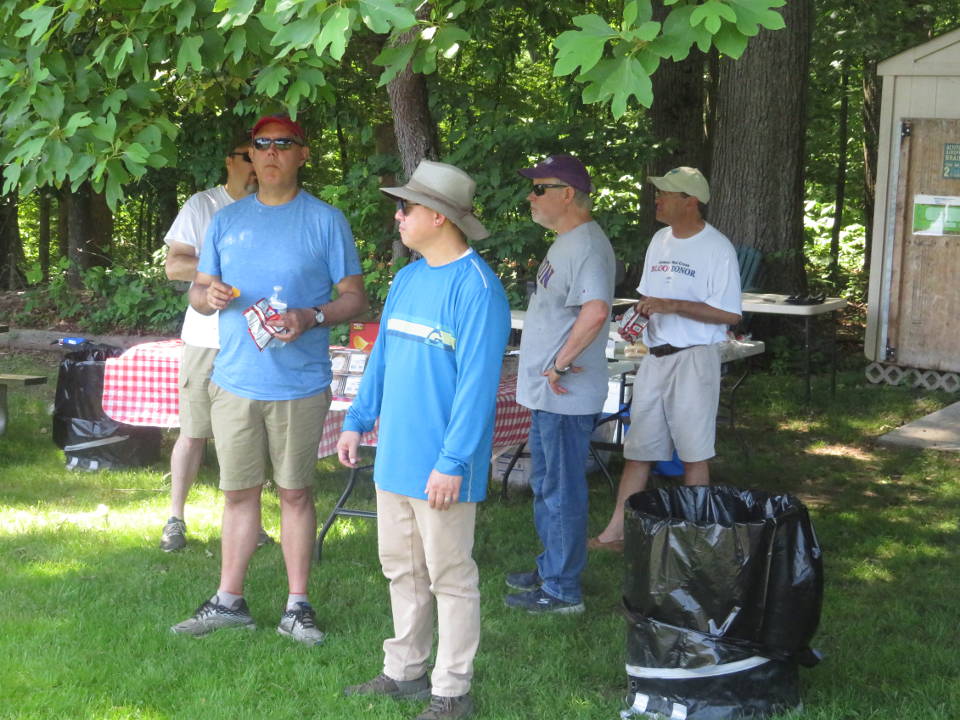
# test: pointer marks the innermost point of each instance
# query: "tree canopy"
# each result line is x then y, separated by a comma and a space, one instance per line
94, 89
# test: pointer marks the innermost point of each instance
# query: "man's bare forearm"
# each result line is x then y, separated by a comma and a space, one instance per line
198, 299
593, 318
348, 306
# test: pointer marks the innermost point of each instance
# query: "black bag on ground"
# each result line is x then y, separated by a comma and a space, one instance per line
89, 438
722, 595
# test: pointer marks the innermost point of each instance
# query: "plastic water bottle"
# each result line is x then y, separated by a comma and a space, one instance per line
281, 307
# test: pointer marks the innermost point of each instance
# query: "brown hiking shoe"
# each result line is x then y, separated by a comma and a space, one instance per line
447, 708
418, 689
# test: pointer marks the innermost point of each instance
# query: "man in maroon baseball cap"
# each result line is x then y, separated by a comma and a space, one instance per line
562, 167
562, 378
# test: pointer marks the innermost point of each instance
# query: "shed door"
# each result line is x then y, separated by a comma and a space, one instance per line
924, 319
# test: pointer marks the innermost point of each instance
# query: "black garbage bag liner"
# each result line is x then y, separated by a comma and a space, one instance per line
739, 564
89, 438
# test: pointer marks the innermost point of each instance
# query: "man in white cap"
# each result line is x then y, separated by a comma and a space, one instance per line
690, 290
200, 336
562, 378
432, 380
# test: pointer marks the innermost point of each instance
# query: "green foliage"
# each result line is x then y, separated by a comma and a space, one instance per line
113, 299
636, 48
818, 227
93, 90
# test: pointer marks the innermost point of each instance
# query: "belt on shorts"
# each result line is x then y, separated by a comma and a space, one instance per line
668, 349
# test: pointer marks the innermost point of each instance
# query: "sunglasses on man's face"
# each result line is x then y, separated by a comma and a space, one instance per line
405, 206
540, 188
284, 143
244, 155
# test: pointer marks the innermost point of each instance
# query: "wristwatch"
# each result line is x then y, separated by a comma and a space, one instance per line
318, 315
561, 370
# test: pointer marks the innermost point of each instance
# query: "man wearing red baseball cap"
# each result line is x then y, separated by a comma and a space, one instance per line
272, 404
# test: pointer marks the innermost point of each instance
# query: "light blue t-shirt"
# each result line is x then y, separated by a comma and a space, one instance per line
433, 375
305, 246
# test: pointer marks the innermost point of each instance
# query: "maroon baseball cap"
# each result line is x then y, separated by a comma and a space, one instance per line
562, 167
281, 119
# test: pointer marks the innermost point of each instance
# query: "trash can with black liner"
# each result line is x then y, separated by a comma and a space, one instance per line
91, 440
722, 595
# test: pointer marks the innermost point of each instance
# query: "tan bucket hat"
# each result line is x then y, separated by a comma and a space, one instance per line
446, 189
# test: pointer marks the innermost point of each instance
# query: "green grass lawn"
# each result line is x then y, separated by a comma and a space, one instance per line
87, 597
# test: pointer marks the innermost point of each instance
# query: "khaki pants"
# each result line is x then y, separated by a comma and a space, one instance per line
426, 554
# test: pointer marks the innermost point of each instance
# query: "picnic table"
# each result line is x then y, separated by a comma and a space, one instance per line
9, 379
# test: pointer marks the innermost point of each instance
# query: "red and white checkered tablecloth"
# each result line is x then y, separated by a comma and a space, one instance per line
140, 388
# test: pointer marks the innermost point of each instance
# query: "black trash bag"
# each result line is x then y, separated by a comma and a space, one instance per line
681, 673
723, 592
89, 438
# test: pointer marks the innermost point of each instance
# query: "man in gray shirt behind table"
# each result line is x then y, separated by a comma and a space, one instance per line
563, 380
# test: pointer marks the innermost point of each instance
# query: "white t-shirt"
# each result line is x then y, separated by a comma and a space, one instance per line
189, 228
702, 268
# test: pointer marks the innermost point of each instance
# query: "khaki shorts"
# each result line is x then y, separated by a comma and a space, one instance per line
247, 432
674, 406
196, 364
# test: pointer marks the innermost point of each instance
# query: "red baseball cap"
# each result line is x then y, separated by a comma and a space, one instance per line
281, 119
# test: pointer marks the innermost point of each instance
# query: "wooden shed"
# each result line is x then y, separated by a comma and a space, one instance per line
913, 318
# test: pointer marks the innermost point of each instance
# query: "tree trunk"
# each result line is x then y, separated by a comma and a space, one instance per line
758, 153
413, 126
63, 222
43, 237
78, 233
11, 249
101, 231
415, 130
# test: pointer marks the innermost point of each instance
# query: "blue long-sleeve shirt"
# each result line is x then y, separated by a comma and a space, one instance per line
432, 377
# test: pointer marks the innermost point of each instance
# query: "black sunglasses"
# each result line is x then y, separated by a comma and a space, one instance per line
284, 143
404, 206
244, 155
540, 188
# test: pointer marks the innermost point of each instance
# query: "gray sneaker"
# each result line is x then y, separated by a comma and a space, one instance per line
212, 616
300, 624
418, 689
174, 536
445, 708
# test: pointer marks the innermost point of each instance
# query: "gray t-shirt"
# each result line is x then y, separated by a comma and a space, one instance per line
579, 267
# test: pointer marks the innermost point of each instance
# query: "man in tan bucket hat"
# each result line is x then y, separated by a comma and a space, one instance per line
432, 380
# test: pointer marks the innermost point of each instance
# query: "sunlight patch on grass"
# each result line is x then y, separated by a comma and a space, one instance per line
102, 518
872, 572
848, 451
